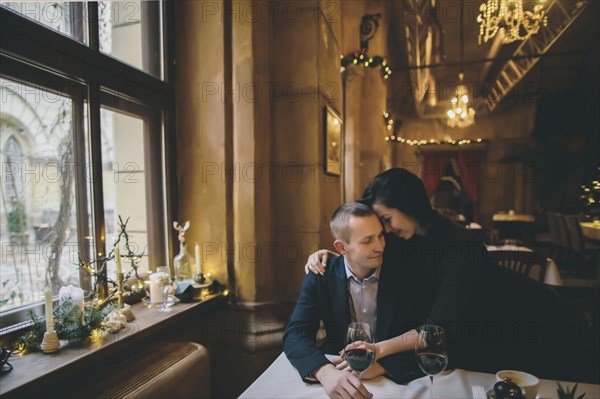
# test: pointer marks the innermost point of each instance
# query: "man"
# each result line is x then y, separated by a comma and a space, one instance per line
351, 290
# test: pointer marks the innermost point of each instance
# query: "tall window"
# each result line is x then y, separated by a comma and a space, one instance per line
39, 240
82, 132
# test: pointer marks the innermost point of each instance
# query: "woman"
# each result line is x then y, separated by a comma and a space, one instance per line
495, 318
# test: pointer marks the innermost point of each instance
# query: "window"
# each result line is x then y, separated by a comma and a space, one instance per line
130, 31
65, 17
123, 179
39, 240
79, 146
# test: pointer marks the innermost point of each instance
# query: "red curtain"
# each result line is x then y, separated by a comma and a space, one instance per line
469, 165
434, 166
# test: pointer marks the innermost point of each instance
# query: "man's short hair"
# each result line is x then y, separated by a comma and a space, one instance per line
341, 218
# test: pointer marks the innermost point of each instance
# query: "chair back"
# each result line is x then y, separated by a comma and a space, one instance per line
553, 226
575, 233
521, 261
563, 234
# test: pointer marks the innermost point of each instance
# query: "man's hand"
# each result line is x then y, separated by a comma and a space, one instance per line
341, 384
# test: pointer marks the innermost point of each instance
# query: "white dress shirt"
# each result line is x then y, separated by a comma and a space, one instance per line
363, 298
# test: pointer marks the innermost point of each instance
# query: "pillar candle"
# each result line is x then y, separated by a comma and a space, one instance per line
118, 260
49, 311
198, 268
156, 294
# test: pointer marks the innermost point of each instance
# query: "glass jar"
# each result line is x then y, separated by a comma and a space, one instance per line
182, 265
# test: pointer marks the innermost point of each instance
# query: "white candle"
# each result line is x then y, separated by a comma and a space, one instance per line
198, 268
49, 315
118, 260
156, 294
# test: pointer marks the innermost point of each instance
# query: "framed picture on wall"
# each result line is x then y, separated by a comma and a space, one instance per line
333, 141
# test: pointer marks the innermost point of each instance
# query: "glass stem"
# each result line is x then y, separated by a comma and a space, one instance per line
165, 298
431, 378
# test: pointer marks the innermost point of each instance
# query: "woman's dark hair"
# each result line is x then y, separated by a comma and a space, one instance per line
402, 190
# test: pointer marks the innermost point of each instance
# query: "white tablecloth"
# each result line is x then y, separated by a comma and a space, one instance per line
513, 217
552, 276
281, 380
591, 230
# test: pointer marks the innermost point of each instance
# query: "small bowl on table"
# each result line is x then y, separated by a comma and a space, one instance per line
528, 383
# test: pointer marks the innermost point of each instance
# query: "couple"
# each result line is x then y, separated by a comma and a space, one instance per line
424, 269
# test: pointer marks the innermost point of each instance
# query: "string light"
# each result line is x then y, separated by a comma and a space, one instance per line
430, 142
357, 57
393, 137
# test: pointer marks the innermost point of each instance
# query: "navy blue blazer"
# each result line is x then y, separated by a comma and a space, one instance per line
326, 298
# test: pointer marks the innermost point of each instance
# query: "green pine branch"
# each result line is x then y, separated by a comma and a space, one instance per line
568, 393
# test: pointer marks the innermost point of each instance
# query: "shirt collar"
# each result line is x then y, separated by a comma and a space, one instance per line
350, 275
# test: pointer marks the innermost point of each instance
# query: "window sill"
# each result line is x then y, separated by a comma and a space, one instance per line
37, 366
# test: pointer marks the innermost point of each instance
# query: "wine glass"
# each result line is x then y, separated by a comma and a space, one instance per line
359, 359
430, 350
164, 282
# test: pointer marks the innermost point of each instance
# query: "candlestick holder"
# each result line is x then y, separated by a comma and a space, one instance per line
50, 343
124, 308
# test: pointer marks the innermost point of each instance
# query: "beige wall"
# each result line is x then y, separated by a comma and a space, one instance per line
273, 210
200, 130
365, 100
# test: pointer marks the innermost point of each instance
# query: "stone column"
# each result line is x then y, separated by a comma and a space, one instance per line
200, 130
352, 91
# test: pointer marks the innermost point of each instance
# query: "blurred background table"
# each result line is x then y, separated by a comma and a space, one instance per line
591, 230
515, 226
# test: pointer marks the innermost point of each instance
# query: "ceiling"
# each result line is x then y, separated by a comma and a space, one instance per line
426, 73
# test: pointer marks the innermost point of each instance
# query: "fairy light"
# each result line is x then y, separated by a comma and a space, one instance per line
357, 57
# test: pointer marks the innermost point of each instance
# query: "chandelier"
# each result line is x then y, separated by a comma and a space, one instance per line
461, 115
510, 18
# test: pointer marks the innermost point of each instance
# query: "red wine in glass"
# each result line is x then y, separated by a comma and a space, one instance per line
432, 363
360, 359
430, 350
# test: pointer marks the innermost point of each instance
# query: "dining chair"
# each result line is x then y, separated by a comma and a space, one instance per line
521, 261
554, 236
582, 252
564, 255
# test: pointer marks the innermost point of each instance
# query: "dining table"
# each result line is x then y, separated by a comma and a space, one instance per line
591, 230
281, 380
513, 217
519, 226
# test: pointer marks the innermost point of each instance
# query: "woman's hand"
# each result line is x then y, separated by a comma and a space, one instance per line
364, 345
372, 372
317, 262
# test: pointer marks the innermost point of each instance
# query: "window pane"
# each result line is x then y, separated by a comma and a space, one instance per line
124, 184
37, 201
131, 32
68, 18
